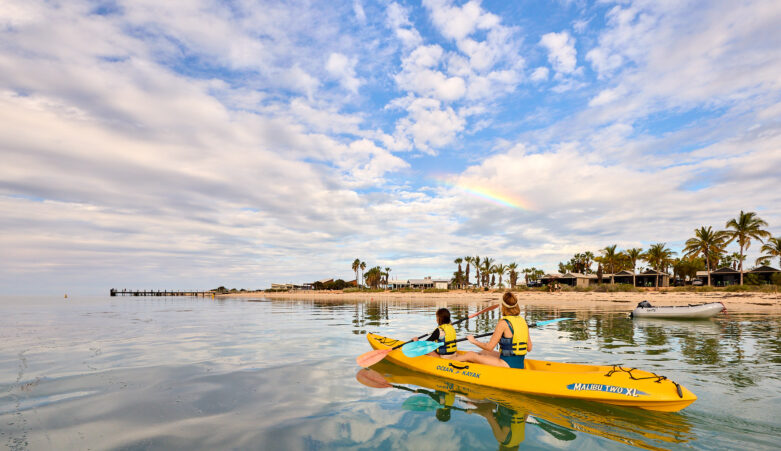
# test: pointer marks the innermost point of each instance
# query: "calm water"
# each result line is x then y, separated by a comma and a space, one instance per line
186, 373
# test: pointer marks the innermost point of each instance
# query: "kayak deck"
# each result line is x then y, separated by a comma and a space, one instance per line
607, 384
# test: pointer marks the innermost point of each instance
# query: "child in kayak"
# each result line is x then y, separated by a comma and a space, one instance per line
511, 334
445, 332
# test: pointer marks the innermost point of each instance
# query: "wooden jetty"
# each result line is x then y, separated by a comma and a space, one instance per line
125, 292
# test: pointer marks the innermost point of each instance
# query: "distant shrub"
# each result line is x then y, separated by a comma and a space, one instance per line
776, 278
435, 290
751, 279
733, 288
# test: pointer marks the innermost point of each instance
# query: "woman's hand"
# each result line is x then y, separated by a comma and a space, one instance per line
471, 339
414, 339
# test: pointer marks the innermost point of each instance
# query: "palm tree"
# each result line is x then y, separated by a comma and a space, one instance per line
705, 242
363, 267
609, 256
659, 256
373, 277
387, 276
588, 257
745, 227
477, 270
468, 260
486, 270
458, 261
512, 272
501, 270
634, 255
772, 249
356, 266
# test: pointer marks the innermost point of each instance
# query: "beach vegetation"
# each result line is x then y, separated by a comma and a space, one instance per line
743, 229
772, 249
512, 273
500, 270
356, 266
752, 279
634, 254
659, 257
373, 277
706, 242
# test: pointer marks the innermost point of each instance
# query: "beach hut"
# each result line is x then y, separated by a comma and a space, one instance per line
624, 276
397, 284
723, 277
764, 273
648, 278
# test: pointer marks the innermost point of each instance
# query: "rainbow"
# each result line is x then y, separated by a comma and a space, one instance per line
493, 196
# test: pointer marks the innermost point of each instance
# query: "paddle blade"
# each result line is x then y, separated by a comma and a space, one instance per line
420, 403
368, 359
419, 348
551, 321
371, 378
487, 309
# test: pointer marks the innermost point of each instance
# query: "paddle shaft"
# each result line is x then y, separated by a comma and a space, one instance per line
468, 317
488, 334
422, 348
459, 321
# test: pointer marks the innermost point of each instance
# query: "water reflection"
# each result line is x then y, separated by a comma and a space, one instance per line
508, 414
177, 373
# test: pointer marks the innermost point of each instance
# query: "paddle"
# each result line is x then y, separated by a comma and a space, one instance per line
419, 348
368, 359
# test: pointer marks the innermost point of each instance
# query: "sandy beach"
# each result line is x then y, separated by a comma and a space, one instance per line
733, 301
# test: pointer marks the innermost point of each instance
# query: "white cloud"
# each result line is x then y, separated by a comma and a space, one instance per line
540, 74
397, 19
429, 124
360, 14
343, 69
459, 22
561, 51
605, 96
603, 63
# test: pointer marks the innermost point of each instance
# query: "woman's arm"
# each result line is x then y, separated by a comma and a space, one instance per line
529, 344
500, 328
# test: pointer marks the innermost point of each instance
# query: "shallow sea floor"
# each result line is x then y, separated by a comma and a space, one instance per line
195, 373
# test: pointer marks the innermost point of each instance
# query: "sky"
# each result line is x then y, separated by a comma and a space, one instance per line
198, 143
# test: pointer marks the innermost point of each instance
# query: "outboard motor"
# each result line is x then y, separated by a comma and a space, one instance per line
645, 304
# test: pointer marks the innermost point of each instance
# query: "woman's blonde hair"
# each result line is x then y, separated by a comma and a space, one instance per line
510, 300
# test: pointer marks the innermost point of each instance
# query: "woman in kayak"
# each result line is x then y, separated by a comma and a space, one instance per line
445, 332
511, 334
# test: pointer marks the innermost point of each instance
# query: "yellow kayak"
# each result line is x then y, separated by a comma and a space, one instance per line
607, 384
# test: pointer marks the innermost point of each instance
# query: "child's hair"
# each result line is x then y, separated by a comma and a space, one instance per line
443, 316
512, 301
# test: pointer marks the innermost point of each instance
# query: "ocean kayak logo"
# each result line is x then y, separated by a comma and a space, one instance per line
633, 392
455, 370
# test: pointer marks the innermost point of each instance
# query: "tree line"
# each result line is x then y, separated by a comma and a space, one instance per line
706, 250
487, 271
372, 278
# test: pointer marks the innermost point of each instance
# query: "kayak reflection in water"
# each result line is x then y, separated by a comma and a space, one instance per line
511, 334
445, 332
508, 425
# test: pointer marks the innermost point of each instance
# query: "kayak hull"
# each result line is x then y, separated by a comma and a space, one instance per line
606, 384
699, 311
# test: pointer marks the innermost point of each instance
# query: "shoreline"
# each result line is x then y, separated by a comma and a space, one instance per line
746, 302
